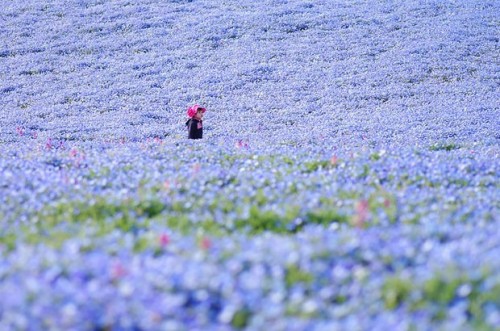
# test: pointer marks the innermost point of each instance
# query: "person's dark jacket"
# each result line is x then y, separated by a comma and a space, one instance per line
195, 128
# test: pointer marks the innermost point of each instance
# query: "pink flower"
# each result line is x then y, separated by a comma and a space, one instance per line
73, 152
166, 185
20, 131
362, 210
170, 184
241, 144
205, 243
164, 240
196, 168
387, 203
118, 271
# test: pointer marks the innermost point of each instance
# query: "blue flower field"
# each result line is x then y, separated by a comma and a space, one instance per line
347, 179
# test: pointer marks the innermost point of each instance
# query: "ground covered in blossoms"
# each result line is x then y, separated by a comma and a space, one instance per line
347, 179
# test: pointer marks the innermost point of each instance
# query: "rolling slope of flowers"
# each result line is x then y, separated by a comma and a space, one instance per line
347, 179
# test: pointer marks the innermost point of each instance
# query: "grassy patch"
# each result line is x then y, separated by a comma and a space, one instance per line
125, 215
442, 290
395, 291
444, 147
383, 204
222, 215
326, 216
294, 275
260, 221
241, 318
313, 166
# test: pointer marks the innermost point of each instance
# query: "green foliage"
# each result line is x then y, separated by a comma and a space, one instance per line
125, 215
132, 215
395, 291
260, 221
103, 215
459, 182
443, 290
444, 147
313, 166
478, 299
440, 290
375, 157
294, 275
288, 161
98, 173
326, 216
141, 244
8, 240
384, 202
260, 198
366, 171
179, 223
150, 208
241, 318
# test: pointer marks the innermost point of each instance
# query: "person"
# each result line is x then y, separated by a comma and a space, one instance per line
195, 122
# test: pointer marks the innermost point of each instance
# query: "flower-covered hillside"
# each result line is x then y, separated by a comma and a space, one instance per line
402, 72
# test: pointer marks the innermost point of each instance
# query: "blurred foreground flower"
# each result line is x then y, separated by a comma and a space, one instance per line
362, 212
205, 243
164, 240
118, 271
